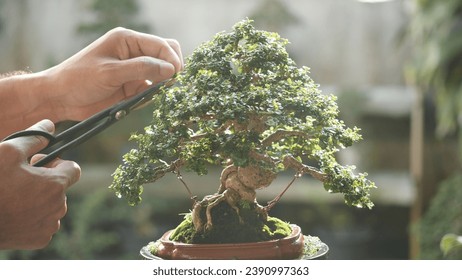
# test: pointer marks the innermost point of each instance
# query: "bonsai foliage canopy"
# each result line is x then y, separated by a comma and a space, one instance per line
241, 101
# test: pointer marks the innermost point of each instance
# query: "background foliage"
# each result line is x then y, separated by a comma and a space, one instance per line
435, 32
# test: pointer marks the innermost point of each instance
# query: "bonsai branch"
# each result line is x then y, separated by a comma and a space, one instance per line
180, 177
300, 168
261, 157
173, 167
281, 134
217, 131
292, 163
277, 198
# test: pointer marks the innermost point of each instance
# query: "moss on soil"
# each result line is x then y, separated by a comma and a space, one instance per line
227, 229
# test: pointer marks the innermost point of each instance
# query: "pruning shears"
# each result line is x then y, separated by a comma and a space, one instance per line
86, 129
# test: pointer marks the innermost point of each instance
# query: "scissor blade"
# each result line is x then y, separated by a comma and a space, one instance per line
142, 98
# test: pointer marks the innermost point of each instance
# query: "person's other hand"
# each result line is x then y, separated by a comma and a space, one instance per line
117, 65
32, 199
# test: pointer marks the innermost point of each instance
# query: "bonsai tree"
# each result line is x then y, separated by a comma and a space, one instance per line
241, 103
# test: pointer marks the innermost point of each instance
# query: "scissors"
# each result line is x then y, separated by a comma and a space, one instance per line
84, 130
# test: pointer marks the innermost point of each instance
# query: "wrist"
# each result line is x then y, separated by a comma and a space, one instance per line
37, 90
46, 95
25, 100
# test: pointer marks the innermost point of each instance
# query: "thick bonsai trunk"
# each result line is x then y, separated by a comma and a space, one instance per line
237, 189
245, 180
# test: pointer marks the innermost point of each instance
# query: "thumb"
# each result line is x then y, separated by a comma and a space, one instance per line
71, 170
143, 68
30, 145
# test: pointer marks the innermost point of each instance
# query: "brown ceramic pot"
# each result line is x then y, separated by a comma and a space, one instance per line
290, 247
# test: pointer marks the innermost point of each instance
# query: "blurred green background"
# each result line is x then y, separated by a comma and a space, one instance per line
395, 67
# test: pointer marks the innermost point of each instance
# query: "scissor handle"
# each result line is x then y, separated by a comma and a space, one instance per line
73, 143
53, 140
31, 132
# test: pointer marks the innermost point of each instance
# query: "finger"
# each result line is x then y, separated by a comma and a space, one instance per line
154, 46
69, 171
55, 214
30, 145
176, 47
37, 157
129, 89
59, 211
170, 55
142, 44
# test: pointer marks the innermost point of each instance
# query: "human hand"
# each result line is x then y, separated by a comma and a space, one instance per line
112, 68
32, 199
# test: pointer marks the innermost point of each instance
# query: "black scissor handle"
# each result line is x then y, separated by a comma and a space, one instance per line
64, 140
31, 132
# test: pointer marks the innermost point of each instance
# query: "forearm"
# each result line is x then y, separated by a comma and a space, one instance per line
24, 101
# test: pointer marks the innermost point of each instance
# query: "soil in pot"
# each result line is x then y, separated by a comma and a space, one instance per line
229, 227
231, 238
